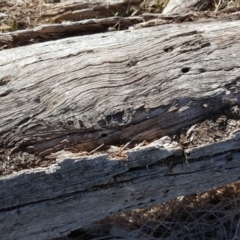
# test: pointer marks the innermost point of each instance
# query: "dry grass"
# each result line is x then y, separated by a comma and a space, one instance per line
211, 215
222, 4
22, 14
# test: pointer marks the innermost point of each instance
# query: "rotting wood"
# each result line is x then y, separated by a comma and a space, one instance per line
78, 10
51, 96
51, 202
28, 14
49, 32
79, 93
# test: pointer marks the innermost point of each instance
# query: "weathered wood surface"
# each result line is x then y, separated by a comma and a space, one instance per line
51, 202
65, 29
48, 32
182, 7
131, 85
64, 19
81, 92
78, 9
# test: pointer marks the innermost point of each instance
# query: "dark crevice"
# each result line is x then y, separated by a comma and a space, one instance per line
25, 120
168, 49
4, 94
219, 119
227, 155
185, 69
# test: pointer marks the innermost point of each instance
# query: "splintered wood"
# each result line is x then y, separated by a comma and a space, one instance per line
157, 108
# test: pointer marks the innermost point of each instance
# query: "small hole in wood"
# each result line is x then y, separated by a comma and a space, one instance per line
25, 120
185, 69
168, 49
4, 81
101, 123
37, 100
117, 117
108, 118
70, 122
4, 94
201, 70
229, 158
104, 135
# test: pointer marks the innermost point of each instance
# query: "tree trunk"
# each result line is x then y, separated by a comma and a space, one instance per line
67, 101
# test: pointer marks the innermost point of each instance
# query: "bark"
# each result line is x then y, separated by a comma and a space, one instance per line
61, 99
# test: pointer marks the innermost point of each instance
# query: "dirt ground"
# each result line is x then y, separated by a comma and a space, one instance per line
17, 15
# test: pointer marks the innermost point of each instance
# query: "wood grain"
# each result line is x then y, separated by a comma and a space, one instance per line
51, 202
116, 86
107, 88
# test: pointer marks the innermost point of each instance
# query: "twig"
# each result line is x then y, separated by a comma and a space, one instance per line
125, 146
94, 150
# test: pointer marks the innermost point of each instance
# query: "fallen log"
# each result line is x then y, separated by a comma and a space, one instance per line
19, 15
79, 10
49, 32
66, 102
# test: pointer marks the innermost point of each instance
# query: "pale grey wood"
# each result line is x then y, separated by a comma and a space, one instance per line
72, 174
131, 85
182, 7
48, 32
146, 178
207, 150
85, 91
79, 9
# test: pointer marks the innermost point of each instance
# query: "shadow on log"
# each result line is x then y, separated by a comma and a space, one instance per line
61, 100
